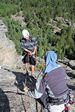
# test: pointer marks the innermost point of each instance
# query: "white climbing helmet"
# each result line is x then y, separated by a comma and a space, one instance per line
25, 34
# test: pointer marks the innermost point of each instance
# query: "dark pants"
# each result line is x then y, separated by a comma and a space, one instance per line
29, 59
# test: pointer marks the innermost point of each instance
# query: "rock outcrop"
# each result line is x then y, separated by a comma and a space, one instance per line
58, 22
12, 96
8, 55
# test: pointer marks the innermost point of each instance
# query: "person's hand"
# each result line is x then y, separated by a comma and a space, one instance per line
33, 53
26, 89
30, 53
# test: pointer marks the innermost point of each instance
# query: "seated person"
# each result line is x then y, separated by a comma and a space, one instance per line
51, 85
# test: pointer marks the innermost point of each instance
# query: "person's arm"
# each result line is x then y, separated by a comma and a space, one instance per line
35, 49
26, 50
39, 89
35, 46
24, 46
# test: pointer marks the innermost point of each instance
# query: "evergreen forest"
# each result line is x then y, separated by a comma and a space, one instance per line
52, 22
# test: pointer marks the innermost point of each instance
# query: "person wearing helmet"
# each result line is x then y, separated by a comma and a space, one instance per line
29, 46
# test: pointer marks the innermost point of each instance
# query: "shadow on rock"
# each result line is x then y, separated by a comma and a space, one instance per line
4, 102
71, 87
71, 75
23, 80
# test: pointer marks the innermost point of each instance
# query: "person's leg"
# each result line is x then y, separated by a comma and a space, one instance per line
32, 69
56, 108
32, 64
26, 62
26, 65
48, 107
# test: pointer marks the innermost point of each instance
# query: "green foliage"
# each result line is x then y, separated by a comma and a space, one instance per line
40, 66
7, 9
37, 15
